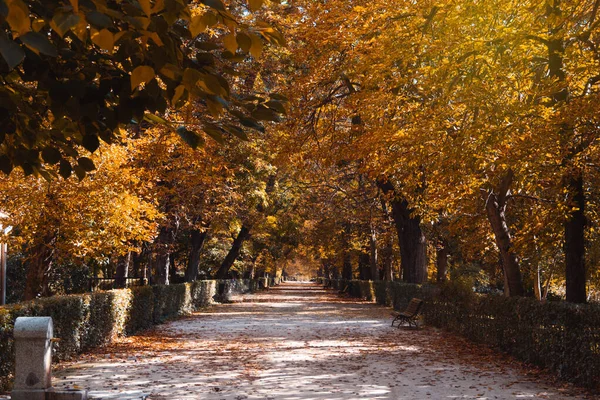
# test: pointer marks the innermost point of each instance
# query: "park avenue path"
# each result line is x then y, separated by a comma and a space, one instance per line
299, 341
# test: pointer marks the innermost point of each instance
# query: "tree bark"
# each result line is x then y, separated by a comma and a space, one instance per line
387, 255
38, 266
374, 257
495, 206
197, 239
161, 261
364, 269
173, 278
574, 228
412, 241
575, 241
442, 262
347, 266
234, 252
122, 272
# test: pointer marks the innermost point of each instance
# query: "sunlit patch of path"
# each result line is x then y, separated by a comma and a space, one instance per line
298, 341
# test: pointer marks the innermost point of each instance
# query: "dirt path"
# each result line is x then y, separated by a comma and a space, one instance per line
298, 341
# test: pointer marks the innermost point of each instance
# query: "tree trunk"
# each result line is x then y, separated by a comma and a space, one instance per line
373, 259
251, 272
574, 245
347, 266
537, 283
412, 241
234, 253
442, 262
173, 278
197, 239
364, 269
387, 255
575, 241
335, 272
161, 261
122, 271
38, 266
495, 206
161, 264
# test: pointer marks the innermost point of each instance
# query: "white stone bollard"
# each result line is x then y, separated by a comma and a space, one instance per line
33, 348
33, 361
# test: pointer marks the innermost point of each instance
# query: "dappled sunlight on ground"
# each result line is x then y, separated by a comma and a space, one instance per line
272, 345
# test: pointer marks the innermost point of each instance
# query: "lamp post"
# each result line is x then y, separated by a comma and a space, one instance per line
3, 256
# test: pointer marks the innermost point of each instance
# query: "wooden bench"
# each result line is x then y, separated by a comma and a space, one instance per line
410, 314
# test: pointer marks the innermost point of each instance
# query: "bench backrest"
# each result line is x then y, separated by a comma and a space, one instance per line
414, 306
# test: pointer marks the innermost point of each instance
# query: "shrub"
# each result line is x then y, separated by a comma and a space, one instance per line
94, 319
560, 336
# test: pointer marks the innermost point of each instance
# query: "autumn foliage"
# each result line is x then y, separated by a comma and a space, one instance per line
408, 140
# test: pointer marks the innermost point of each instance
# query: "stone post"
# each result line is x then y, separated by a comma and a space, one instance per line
33, 362
33, 347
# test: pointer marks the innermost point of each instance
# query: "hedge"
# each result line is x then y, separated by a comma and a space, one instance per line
559, 336
95, 319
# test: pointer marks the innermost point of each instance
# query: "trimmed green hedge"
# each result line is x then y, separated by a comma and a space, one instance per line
560, 336
95, 319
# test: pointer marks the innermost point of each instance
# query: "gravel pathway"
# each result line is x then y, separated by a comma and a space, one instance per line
298, 341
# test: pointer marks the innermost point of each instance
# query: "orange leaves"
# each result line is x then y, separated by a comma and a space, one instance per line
18, 17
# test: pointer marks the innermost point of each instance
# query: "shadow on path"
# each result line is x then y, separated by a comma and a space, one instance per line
299, 341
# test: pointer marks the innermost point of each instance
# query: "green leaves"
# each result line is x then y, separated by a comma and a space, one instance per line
63, 22
190, 137
39, 43
12, 53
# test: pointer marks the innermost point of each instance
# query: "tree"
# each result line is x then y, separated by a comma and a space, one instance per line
74, 73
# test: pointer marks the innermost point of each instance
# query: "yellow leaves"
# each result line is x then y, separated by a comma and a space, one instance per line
230, 43
198, 25
257, 46
18, 17
75, 5
254, 5
171, 71
154, 36
146, 8
179, 91
103, 39
142, 74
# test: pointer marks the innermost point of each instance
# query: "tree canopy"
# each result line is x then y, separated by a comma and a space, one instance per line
406, 140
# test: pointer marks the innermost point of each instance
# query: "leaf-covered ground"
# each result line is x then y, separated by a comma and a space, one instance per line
298, 341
